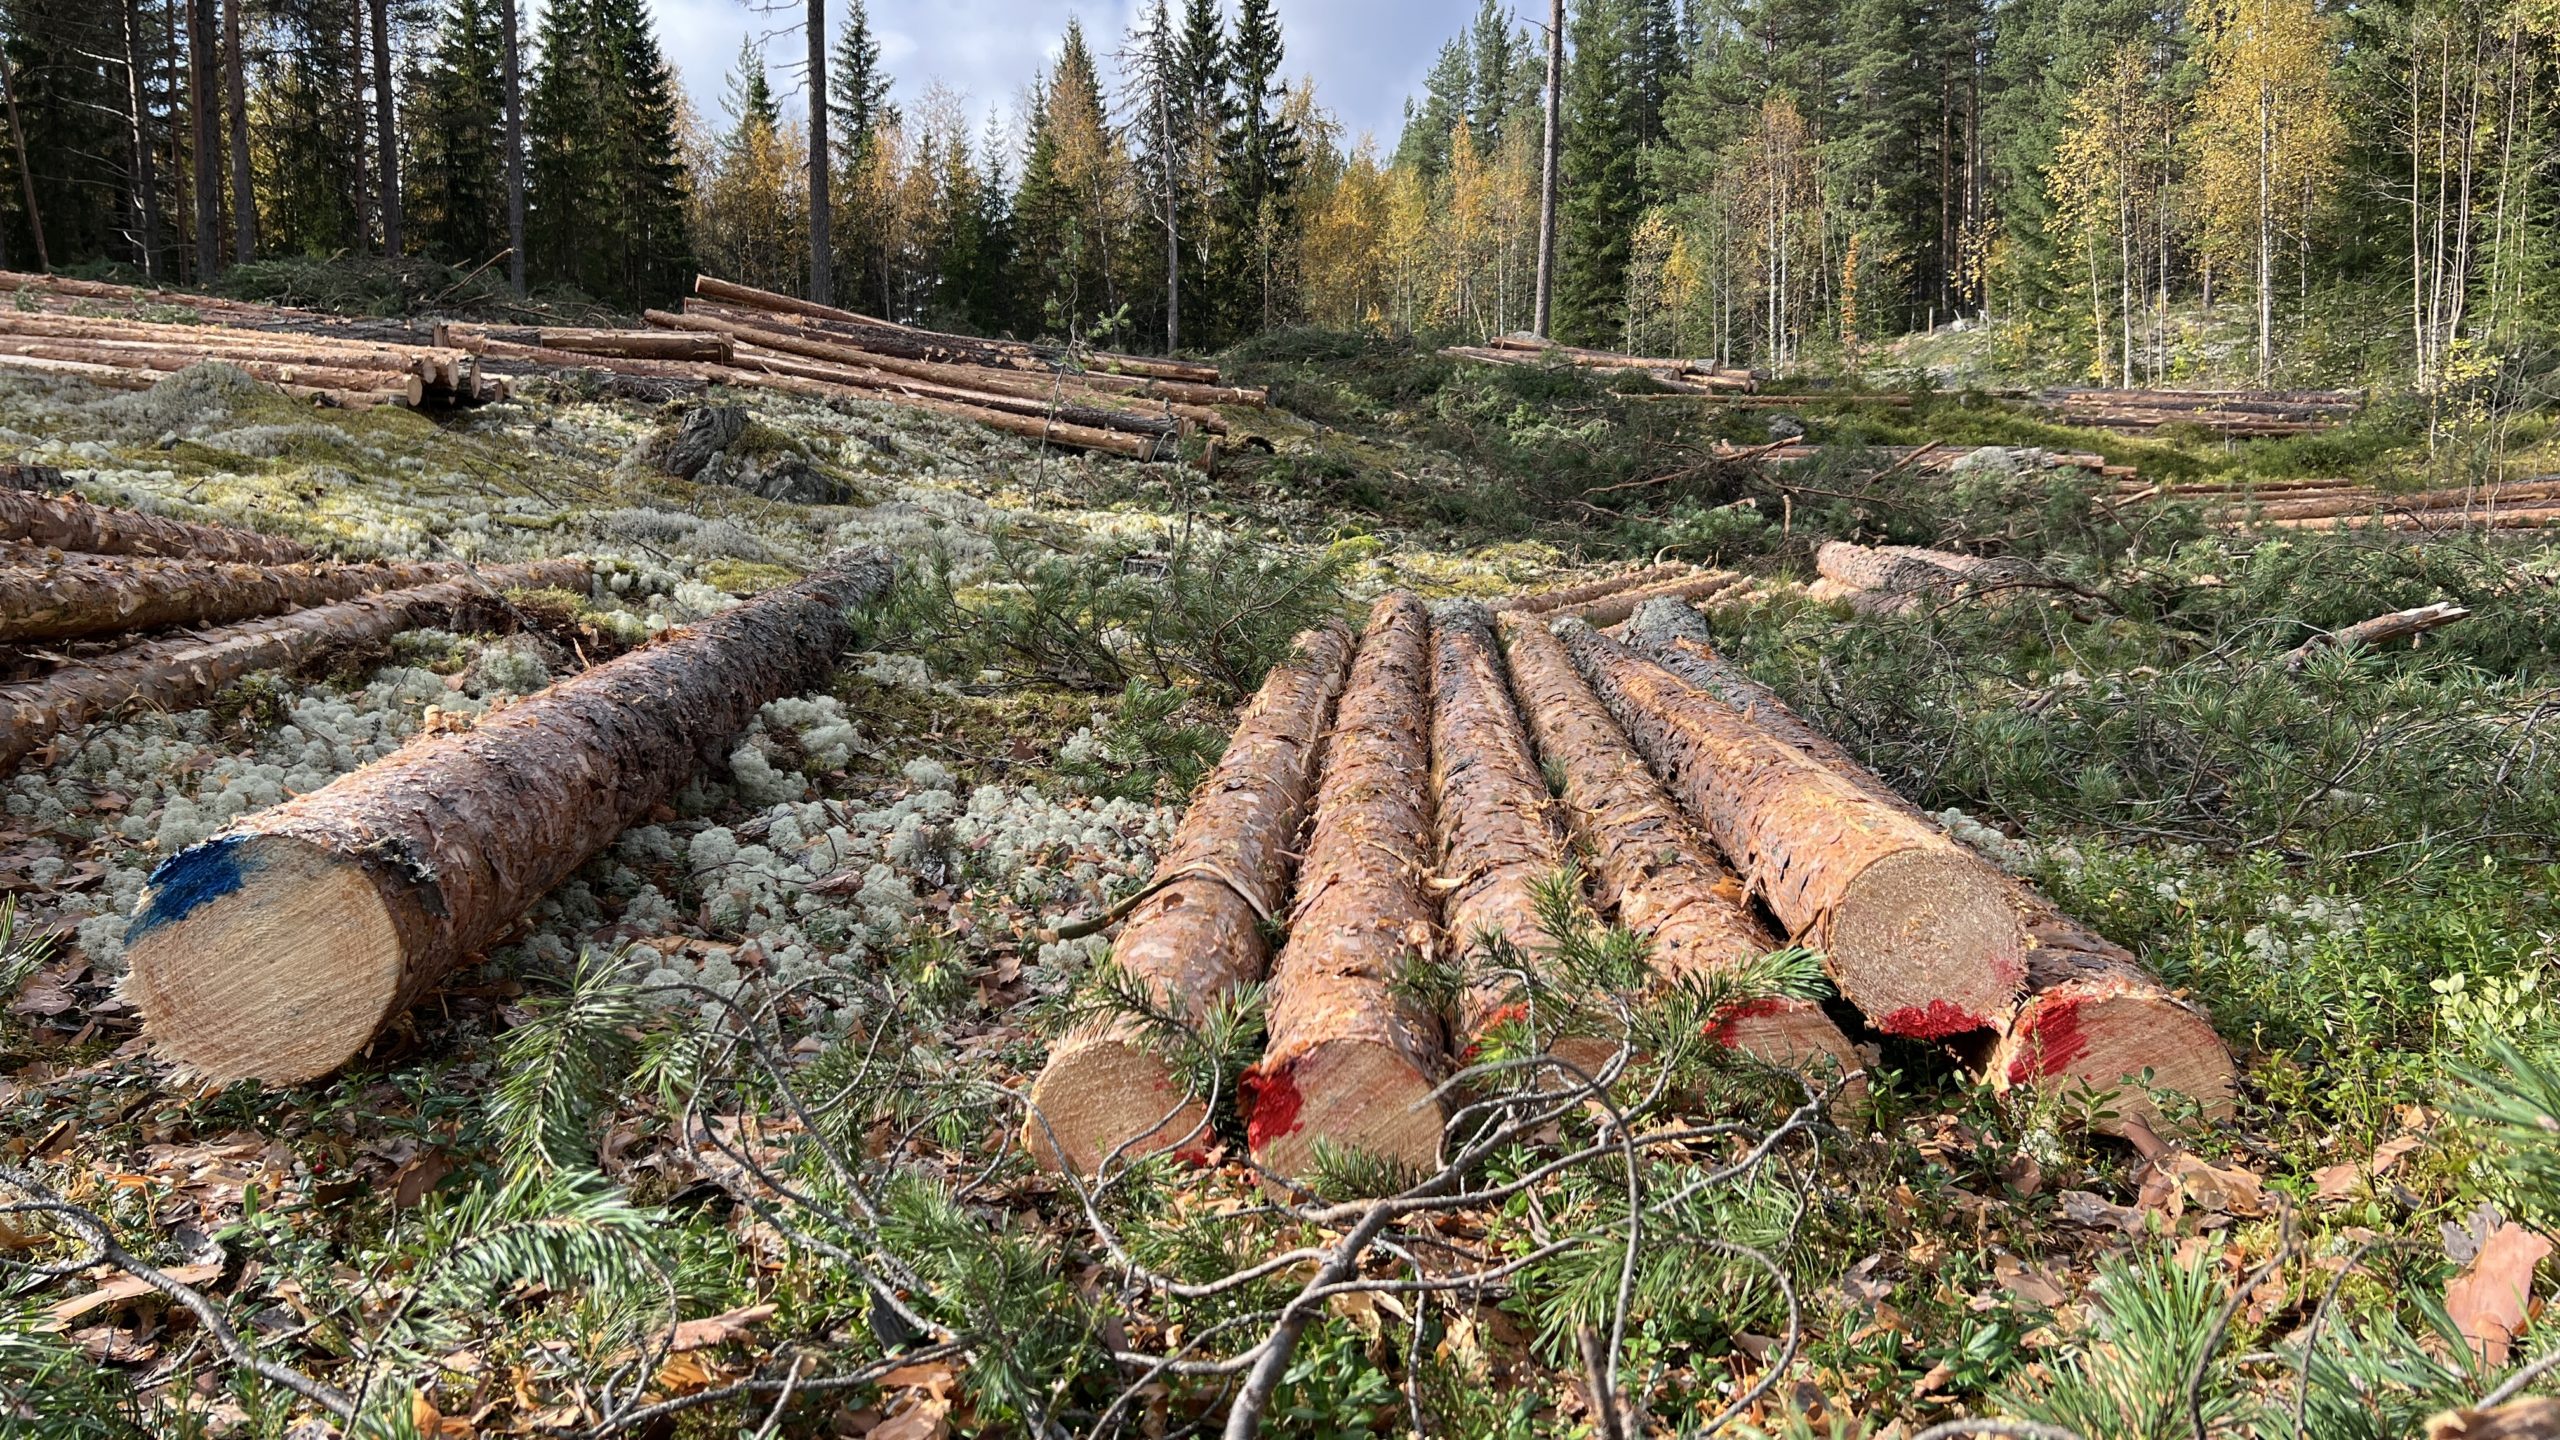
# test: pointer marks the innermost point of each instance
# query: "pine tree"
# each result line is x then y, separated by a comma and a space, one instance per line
457, 177
1259, 156
71, 112
310, 108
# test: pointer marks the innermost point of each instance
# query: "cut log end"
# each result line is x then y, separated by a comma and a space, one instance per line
1942, 950
1357, 1095
2099, 1038
1796, 1035
263, 958
1100, 1093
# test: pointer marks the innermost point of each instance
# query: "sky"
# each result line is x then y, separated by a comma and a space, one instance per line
1366, 56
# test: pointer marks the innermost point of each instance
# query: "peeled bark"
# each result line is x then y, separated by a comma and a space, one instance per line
1614, 608
1655, 870
1539, 601
2092, 1017
1497, 827
1916, 930
184, 671
45, 595
1203, 933
2380, 630
1352, 1061
279, 948
65, 523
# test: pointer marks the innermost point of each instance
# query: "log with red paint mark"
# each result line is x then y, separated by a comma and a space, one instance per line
1915, 930
1202, 934
2092, 1017
1352, 1060
1655, 870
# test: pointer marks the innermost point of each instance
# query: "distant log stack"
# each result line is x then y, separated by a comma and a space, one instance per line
1694, 377
2233, 414
278, 949
333, 370
2345, 504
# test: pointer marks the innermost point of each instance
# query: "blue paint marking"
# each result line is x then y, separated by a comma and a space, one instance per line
188, 879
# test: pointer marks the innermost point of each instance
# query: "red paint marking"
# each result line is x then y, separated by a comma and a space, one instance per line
1721, 1028
1502, 1014
2056, 1039
1935, 1021
1271, 1105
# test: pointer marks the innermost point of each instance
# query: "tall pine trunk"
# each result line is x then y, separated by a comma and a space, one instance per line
244, 200
515, 146
26, 176
200, 28
386, 137
146, 184
1547, 183
822, 253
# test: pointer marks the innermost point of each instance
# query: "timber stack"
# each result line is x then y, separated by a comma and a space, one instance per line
326, 369
2231, 414
2344, 504
1688, 377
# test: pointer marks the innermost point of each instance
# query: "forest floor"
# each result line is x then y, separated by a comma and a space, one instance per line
499, 1222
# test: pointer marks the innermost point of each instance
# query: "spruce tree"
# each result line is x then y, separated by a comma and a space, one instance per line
857, 85
1259, 157
1448, 90
457, 176
606, 177
1603, 189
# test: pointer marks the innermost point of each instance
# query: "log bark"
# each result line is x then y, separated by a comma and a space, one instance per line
64, 522
627, 344
119, 377
2316, 506
48, 595
936, 344
1539, 601
1655, 870
1902, 573
1352, 1061
1092, 417
2380, 630
1497, 828
184, 671
2532, 517
2091, 1017
279, 948
1612, 609
153, 362
1916, 930
1204, 932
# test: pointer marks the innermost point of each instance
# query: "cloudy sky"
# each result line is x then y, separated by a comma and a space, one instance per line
1366, 55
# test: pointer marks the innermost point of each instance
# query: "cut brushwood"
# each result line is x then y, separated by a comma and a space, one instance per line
1917, 931
1203, 932
1498, 836
278, 949
2092, 1017
49, 595
64, 522
2380, 630
1655, 870
1352, 1059
185, 671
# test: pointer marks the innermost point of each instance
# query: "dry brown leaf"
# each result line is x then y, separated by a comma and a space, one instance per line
2535, 1417
684, 1374
2488, 1300
2027, 1282
2183, 1177
117, 1292
2338, 1183
717, 1329
927, 1419
2082, 1207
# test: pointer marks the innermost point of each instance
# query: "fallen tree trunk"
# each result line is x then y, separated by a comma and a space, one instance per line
877, 331
121, 377
64, 522
1497, 833
1917, 931
279, 948
402, 385
1611, 609
1351, 1059
1204, 930
1911, 571
2532, 517
1656, 872
626, 344
2484, 497
1538, 601
1095, 417
2380, 630
184, 671
46, 595
2092, 1017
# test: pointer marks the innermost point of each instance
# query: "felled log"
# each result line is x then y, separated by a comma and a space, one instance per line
2529, 517
48, 595
313, 374
184, 671
625, 344
1539, 601
933, 344
1916, 930
1655, 870
2317, 506
1497, 831
1094, 417
2092, 1017
125, 377
1351, 1060
1204, 932
64, 522
279, 948
2380, 630
1610, 609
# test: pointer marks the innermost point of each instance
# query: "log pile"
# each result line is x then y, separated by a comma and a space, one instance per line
1688, 377
2232, 414
1934, 458
2341, 504
279, 948
325, 368
66, 522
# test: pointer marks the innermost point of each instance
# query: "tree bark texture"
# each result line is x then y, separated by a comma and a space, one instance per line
2091, 1016
1351, 1060
1897, 576
872, 332
2380, 630
1611, 609
1916, 930
244, 199
386, 135
1205, 930
277, 950
203, 147
1656, 872
50, 595
184, 671
822, 250
1539, 601
64, 522
1499, 840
